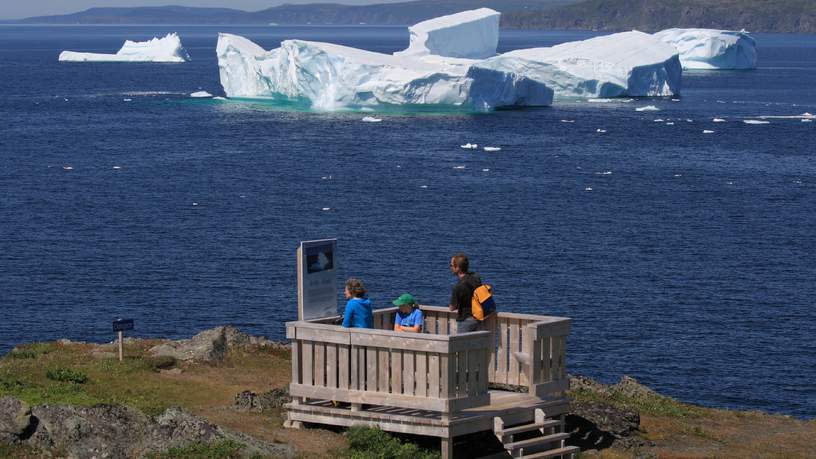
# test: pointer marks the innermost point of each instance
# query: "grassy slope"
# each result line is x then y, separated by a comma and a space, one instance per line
678, 430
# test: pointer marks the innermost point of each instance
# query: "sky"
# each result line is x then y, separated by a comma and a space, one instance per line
16, 9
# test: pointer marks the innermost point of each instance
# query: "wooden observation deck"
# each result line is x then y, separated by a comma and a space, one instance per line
437, 383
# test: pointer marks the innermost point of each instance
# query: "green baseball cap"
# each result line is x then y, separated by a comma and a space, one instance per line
405, 298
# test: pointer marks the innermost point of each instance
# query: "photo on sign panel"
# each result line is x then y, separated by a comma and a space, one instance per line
320, 258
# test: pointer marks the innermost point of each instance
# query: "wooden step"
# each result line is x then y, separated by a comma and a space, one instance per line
536, 441
533, 426
567, 450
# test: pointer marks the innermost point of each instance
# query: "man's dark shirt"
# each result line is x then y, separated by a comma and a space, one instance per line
463, 293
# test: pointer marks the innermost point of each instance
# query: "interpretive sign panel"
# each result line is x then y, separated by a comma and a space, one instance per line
122, 325
317, 279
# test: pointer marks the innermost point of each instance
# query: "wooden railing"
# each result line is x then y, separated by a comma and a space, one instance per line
436, 370
368, 366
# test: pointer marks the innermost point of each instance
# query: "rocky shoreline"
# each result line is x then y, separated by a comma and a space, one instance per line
603, 418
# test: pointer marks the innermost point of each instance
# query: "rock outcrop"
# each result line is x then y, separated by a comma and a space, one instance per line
210, 345
248, 401
114, 431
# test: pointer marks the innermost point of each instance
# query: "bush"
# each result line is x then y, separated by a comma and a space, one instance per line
67, 375
367, 443
23, 354
226, 449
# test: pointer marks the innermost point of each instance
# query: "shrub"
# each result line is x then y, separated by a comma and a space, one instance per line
367, 443
67, 375
23, 354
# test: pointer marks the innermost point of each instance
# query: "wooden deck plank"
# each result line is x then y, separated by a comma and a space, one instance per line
421, 372
396, 371
343, 365
320, 364
383, 376
433, 376
331, 365
371, 369
513, 346
461, 374
408, 372
308, 365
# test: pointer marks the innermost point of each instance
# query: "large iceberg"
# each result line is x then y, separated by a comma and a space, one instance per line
167, 49
331, 77
627, 64
704, 49
470, 34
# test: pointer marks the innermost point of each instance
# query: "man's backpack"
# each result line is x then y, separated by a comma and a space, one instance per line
482, 303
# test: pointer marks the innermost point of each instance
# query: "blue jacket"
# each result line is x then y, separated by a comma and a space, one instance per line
358, 314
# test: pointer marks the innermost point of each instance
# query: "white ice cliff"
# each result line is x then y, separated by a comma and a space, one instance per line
331, 77
470, 34
633, 64
167, 49
712, 49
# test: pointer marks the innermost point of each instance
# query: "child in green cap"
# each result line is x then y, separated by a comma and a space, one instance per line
409, 317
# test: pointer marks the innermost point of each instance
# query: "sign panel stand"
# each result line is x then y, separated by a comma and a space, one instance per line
119, 326
317, 279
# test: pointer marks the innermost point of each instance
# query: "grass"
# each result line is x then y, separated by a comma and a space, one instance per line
66, 375
367, 443
653, 404
226, 449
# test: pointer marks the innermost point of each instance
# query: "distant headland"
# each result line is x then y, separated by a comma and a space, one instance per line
789, 16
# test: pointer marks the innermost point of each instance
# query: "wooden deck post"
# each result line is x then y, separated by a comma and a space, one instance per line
446, 447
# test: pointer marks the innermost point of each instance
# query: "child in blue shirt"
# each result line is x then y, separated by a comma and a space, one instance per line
409, 317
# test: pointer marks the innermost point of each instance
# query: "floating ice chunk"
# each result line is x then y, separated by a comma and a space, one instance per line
628, 64
371, 119
806, 120
167, 49
600, 101
670, 123
458, 167
219, 98
787, 117
492, 149
689, 120
677, 175
718, 120
705, 49
706, 131
756, 122
589, 188
127, 100
675, 100
331, 77
195, 204
423, 186
604, 173
200, 95
648, 108
470, 34
67, 168
600, 131
485, 170
117, 167
470, 146
567, 121
325, 209
659, 120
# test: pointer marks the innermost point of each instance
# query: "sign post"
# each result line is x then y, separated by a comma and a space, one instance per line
119, 326
317, 279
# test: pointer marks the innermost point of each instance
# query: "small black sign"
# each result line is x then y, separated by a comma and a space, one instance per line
122, 325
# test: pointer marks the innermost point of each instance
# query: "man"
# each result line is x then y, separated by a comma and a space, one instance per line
463, 293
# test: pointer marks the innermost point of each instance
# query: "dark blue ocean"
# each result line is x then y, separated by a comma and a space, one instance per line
686, 259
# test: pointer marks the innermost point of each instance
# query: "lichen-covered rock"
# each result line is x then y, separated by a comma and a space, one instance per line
248, 401
114, 432
15, 419
210, 345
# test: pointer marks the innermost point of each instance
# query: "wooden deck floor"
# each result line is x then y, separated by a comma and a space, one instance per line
514, 408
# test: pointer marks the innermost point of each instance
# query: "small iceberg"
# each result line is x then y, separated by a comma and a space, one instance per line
706, 131
718, 120
371, 119
567, 121
167, 49
491, 149
600, 131
469, 146
756, 122
201, 95
648, 108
